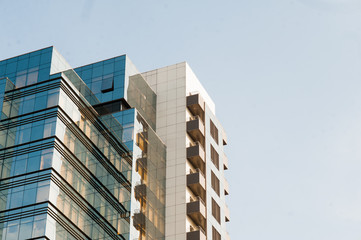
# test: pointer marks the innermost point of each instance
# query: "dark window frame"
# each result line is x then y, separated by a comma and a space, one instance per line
216, 211
214, 157
215, 183
213, 131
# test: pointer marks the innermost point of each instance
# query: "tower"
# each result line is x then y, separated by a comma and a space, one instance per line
195, 182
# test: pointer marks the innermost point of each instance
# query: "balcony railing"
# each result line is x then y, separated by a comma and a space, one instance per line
139, 220
195, 129
197, 234
140, 191
196, 210
141, 165
195, 104
196, 155
197, 183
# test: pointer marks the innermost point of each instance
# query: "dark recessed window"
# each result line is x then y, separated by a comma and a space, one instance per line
214, 157
214, 131
215, 234
107, 84
215, 183
216, 211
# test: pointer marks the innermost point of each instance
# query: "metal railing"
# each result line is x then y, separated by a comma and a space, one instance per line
198, 228
197, 170
197, 199
196, 143
193, 93
192, 117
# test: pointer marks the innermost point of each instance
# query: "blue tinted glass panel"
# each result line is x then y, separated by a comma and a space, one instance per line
107, 84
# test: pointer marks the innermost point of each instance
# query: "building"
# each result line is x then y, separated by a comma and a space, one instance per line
103, 151
195, 183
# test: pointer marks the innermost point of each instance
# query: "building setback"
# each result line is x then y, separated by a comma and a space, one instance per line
103, 151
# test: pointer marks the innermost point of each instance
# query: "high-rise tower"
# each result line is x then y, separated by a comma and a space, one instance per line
195, 182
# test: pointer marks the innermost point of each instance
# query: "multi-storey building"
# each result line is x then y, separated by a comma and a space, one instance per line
195, 183
106, 152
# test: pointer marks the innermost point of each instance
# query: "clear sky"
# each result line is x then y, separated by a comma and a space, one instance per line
285, 76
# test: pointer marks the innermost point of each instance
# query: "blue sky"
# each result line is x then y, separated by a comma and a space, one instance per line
288, 72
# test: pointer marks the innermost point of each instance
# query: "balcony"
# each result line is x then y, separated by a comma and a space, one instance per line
197, 183
139, 220
195, 129
142, 141
142, 163
145, 133
196, 210
140, 191
141, 167
226, 187
225, 162
195, 104
196, 155
197, 235
226, 213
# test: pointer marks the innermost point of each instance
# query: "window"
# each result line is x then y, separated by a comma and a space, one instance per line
215, 157
36, 132
53, 97
20, 80
215, 234
214, 131
107, 84
96, 86
216, 211
27, 77
215, 183
32, 77
108, 108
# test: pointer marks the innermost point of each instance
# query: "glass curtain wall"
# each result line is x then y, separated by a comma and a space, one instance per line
150, 190
63, 174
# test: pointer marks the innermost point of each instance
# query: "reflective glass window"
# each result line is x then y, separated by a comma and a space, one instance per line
21, 80
39, 226
32, 78
52, 99
42, 193
96, 87
107, 84
26, 228
40, 102
36, 132
12, 230
30, 196
16, 199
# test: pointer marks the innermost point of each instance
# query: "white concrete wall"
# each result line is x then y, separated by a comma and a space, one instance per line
193, 86
58, 63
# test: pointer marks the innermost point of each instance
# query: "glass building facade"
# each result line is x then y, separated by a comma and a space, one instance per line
73, 151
